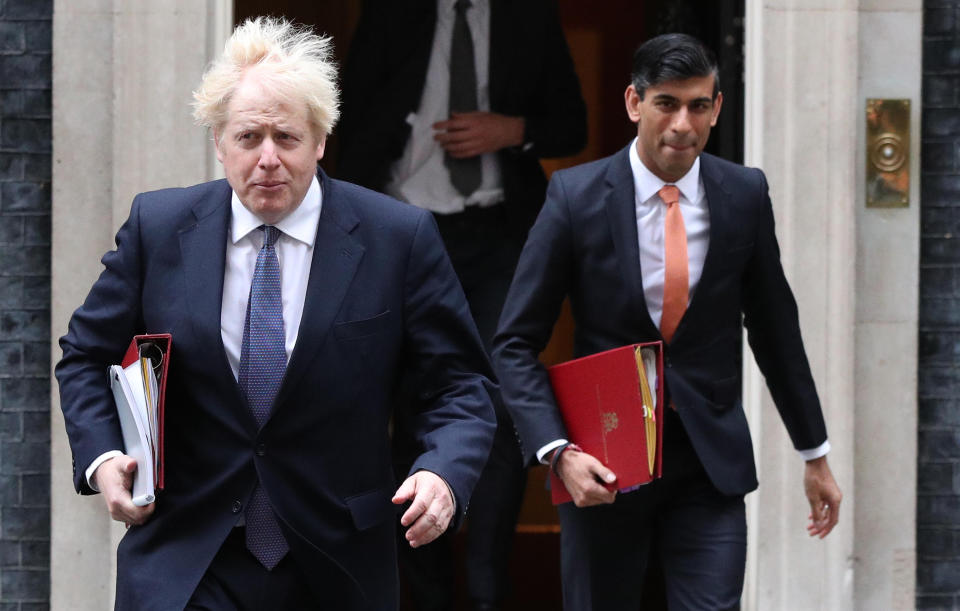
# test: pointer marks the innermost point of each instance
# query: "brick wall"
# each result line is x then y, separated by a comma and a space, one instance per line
25, 142
938, 494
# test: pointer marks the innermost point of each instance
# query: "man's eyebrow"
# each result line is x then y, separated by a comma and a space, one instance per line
666, 97
257, 125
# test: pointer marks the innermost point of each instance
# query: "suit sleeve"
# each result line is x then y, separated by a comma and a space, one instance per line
362, 71
556, 125
455, 419
773, 331
98, 333
541, 283
372, 123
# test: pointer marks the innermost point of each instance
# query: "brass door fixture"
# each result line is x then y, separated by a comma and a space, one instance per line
888, 153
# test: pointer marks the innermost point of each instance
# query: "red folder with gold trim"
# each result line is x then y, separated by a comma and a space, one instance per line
612, 406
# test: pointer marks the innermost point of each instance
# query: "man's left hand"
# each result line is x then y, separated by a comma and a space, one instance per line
468, 134
824, 496
429, 514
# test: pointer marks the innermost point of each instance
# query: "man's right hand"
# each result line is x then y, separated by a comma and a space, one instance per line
114, 478
579, 472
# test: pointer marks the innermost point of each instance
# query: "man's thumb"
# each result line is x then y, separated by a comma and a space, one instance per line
405, 492
130, 466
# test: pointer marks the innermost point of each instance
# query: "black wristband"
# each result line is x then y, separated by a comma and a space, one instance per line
556, 455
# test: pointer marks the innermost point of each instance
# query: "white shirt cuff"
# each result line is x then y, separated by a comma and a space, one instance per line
543, 452
817, 452
96, 463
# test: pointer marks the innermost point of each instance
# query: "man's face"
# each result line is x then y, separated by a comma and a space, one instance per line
673, 123
269, 150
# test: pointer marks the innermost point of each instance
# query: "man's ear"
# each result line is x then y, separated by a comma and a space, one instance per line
321, 146
632, 101
717, 103
216, 144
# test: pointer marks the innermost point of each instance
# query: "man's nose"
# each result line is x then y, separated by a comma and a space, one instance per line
268, 154
681, 121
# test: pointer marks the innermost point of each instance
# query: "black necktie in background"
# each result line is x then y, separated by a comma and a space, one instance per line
464, 173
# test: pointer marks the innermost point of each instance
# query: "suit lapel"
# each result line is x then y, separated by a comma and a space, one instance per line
622, 216
718, 205
336, 256
203, 246
420, 30
501, 57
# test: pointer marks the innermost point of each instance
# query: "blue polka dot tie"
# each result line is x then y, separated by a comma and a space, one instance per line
263, 360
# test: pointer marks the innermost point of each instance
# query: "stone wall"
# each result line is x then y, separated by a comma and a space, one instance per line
25, 143
938, 494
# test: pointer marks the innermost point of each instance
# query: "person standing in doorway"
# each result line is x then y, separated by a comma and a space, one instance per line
449, 105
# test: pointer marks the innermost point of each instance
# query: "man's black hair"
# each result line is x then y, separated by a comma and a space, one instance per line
672, 57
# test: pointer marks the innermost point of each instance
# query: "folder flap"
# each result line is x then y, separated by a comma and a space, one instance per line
131, 355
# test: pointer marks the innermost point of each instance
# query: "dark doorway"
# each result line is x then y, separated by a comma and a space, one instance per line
602, 37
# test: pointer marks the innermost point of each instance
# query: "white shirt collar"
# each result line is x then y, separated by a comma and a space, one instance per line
646, 183
301, 224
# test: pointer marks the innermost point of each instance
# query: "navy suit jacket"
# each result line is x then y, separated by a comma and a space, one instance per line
382, 302
584, 245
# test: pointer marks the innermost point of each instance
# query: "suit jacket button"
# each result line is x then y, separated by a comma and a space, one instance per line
261, 449
237, 506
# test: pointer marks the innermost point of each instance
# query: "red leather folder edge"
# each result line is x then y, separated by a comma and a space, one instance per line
564, 376
164, 339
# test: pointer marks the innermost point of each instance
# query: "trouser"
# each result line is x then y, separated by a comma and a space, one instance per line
236, 581
699, 534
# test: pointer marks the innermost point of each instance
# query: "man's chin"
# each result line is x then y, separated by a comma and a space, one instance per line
271, 211
680, 162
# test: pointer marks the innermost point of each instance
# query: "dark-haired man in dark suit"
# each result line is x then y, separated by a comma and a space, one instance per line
449, 105
663, 242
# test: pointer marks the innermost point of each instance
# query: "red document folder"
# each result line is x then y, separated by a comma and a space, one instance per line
163, 342
602, 405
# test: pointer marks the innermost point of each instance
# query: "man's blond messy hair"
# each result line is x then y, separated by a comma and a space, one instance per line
292, 62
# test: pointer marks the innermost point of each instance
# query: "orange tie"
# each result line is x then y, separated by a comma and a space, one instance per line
676, 276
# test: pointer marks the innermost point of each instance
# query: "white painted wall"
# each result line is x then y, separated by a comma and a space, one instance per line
811, 64
122, 76
887, 315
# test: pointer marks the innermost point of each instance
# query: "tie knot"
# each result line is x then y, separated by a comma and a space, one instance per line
270, 234
461, 6
670, 194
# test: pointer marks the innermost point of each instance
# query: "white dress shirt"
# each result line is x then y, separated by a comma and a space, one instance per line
650, 213
294, 250
419, 176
